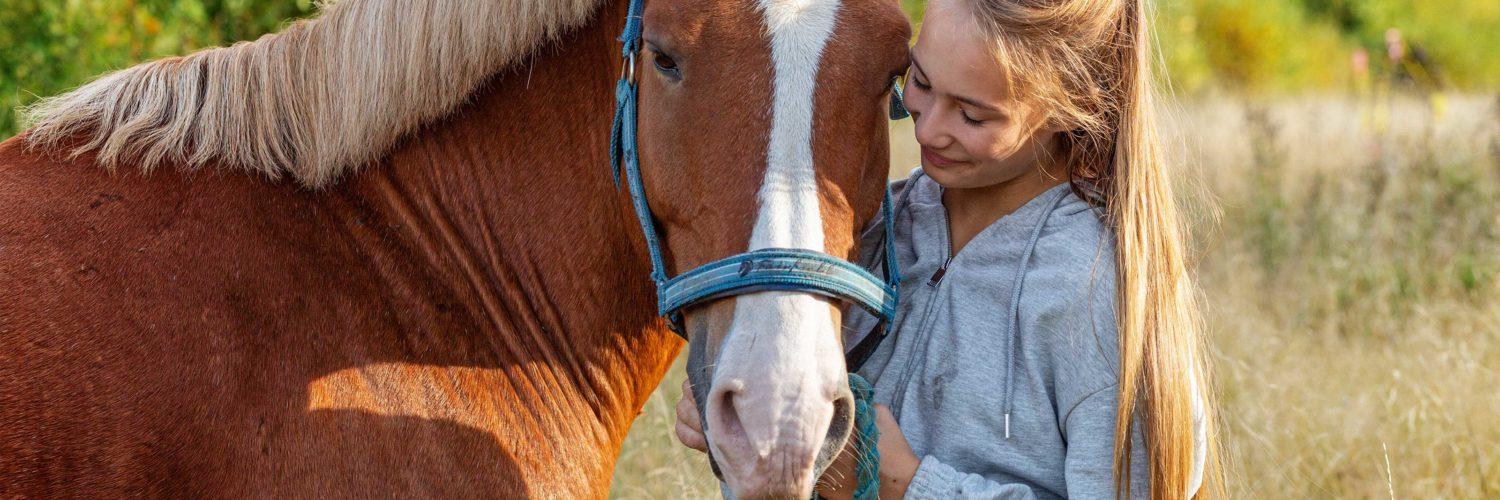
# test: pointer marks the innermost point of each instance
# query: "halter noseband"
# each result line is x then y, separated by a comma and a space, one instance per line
789, 269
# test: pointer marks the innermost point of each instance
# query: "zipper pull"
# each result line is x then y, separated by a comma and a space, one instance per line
938, 276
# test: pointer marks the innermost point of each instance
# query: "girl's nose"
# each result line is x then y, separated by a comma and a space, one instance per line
930, 132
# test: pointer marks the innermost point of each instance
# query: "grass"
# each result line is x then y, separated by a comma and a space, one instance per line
1349, 254
1351, 278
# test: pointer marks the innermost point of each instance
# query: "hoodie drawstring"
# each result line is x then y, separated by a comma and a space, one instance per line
1015, 304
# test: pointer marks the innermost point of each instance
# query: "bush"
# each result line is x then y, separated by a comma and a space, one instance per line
51, 46
1285, 46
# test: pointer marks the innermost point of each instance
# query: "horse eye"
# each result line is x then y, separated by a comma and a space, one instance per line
666, 65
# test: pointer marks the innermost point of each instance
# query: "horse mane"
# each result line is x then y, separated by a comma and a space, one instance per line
313, 101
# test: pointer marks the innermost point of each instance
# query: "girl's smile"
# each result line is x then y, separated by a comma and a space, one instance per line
975, 129
936, 160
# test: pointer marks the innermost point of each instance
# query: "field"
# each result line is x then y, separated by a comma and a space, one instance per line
1349, 256
1348, 247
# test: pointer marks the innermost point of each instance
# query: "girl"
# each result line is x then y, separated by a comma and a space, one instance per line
1042, 261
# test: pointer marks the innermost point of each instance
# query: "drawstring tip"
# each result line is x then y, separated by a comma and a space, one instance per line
1007, 426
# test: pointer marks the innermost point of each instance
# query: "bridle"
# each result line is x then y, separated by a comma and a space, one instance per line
789, 269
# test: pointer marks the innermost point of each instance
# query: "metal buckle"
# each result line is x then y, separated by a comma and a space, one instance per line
627, 71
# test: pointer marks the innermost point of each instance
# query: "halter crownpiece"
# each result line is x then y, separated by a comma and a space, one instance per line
785, 269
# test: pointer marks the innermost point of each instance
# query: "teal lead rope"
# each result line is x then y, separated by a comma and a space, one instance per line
866, 435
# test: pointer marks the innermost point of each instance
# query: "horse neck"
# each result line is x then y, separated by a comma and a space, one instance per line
509, 210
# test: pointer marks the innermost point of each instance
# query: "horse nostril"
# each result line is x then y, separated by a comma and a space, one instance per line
843, 418
771, 438
840, 429
727, 426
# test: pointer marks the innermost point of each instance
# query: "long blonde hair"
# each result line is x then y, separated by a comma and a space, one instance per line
1089, 63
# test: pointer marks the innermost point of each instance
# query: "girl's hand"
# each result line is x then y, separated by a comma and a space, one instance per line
689, 428
897, 463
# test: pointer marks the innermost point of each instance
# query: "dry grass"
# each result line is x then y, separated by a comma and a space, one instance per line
1350, 257
1352, 280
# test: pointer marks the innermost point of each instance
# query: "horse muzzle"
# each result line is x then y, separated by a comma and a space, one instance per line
776, 404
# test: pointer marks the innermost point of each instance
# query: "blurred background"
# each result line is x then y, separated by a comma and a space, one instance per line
1340, 160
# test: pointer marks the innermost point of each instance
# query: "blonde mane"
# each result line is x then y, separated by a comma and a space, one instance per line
313, 101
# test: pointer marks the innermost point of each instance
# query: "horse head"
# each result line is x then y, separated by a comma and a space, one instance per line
762, 124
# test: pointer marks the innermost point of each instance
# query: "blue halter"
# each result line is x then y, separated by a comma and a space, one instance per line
787, 269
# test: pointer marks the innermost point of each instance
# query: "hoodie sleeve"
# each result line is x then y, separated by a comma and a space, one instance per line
1089, 428
1090, 431
935, 479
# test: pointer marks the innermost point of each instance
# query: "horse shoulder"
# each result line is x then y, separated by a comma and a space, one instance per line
134, 312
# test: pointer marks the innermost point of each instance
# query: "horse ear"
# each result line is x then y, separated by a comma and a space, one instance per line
898, 101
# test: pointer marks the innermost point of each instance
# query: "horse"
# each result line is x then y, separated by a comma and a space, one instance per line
380, 252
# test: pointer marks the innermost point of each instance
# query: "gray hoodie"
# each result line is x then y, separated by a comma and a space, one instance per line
1003, 381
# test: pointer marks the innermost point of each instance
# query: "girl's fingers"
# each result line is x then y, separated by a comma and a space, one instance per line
689, 428
687, 409
691, 438
687, 414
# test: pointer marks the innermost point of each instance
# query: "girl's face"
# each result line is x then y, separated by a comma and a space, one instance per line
973, 131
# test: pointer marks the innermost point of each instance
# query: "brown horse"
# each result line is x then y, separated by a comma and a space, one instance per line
429, 284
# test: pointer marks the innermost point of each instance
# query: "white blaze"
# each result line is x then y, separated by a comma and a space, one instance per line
789, 215
782, 345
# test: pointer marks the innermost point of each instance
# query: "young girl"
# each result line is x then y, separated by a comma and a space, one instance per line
1043, 263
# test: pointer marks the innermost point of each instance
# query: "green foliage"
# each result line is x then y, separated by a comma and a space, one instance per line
1287, 45
914, 9
1461, 35
1251, 45
54, 45
1248, 46
1281, 46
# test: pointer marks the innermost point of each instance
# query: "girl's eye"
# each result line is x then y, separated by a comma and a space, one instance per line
666, 65
918, 83
969, 120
